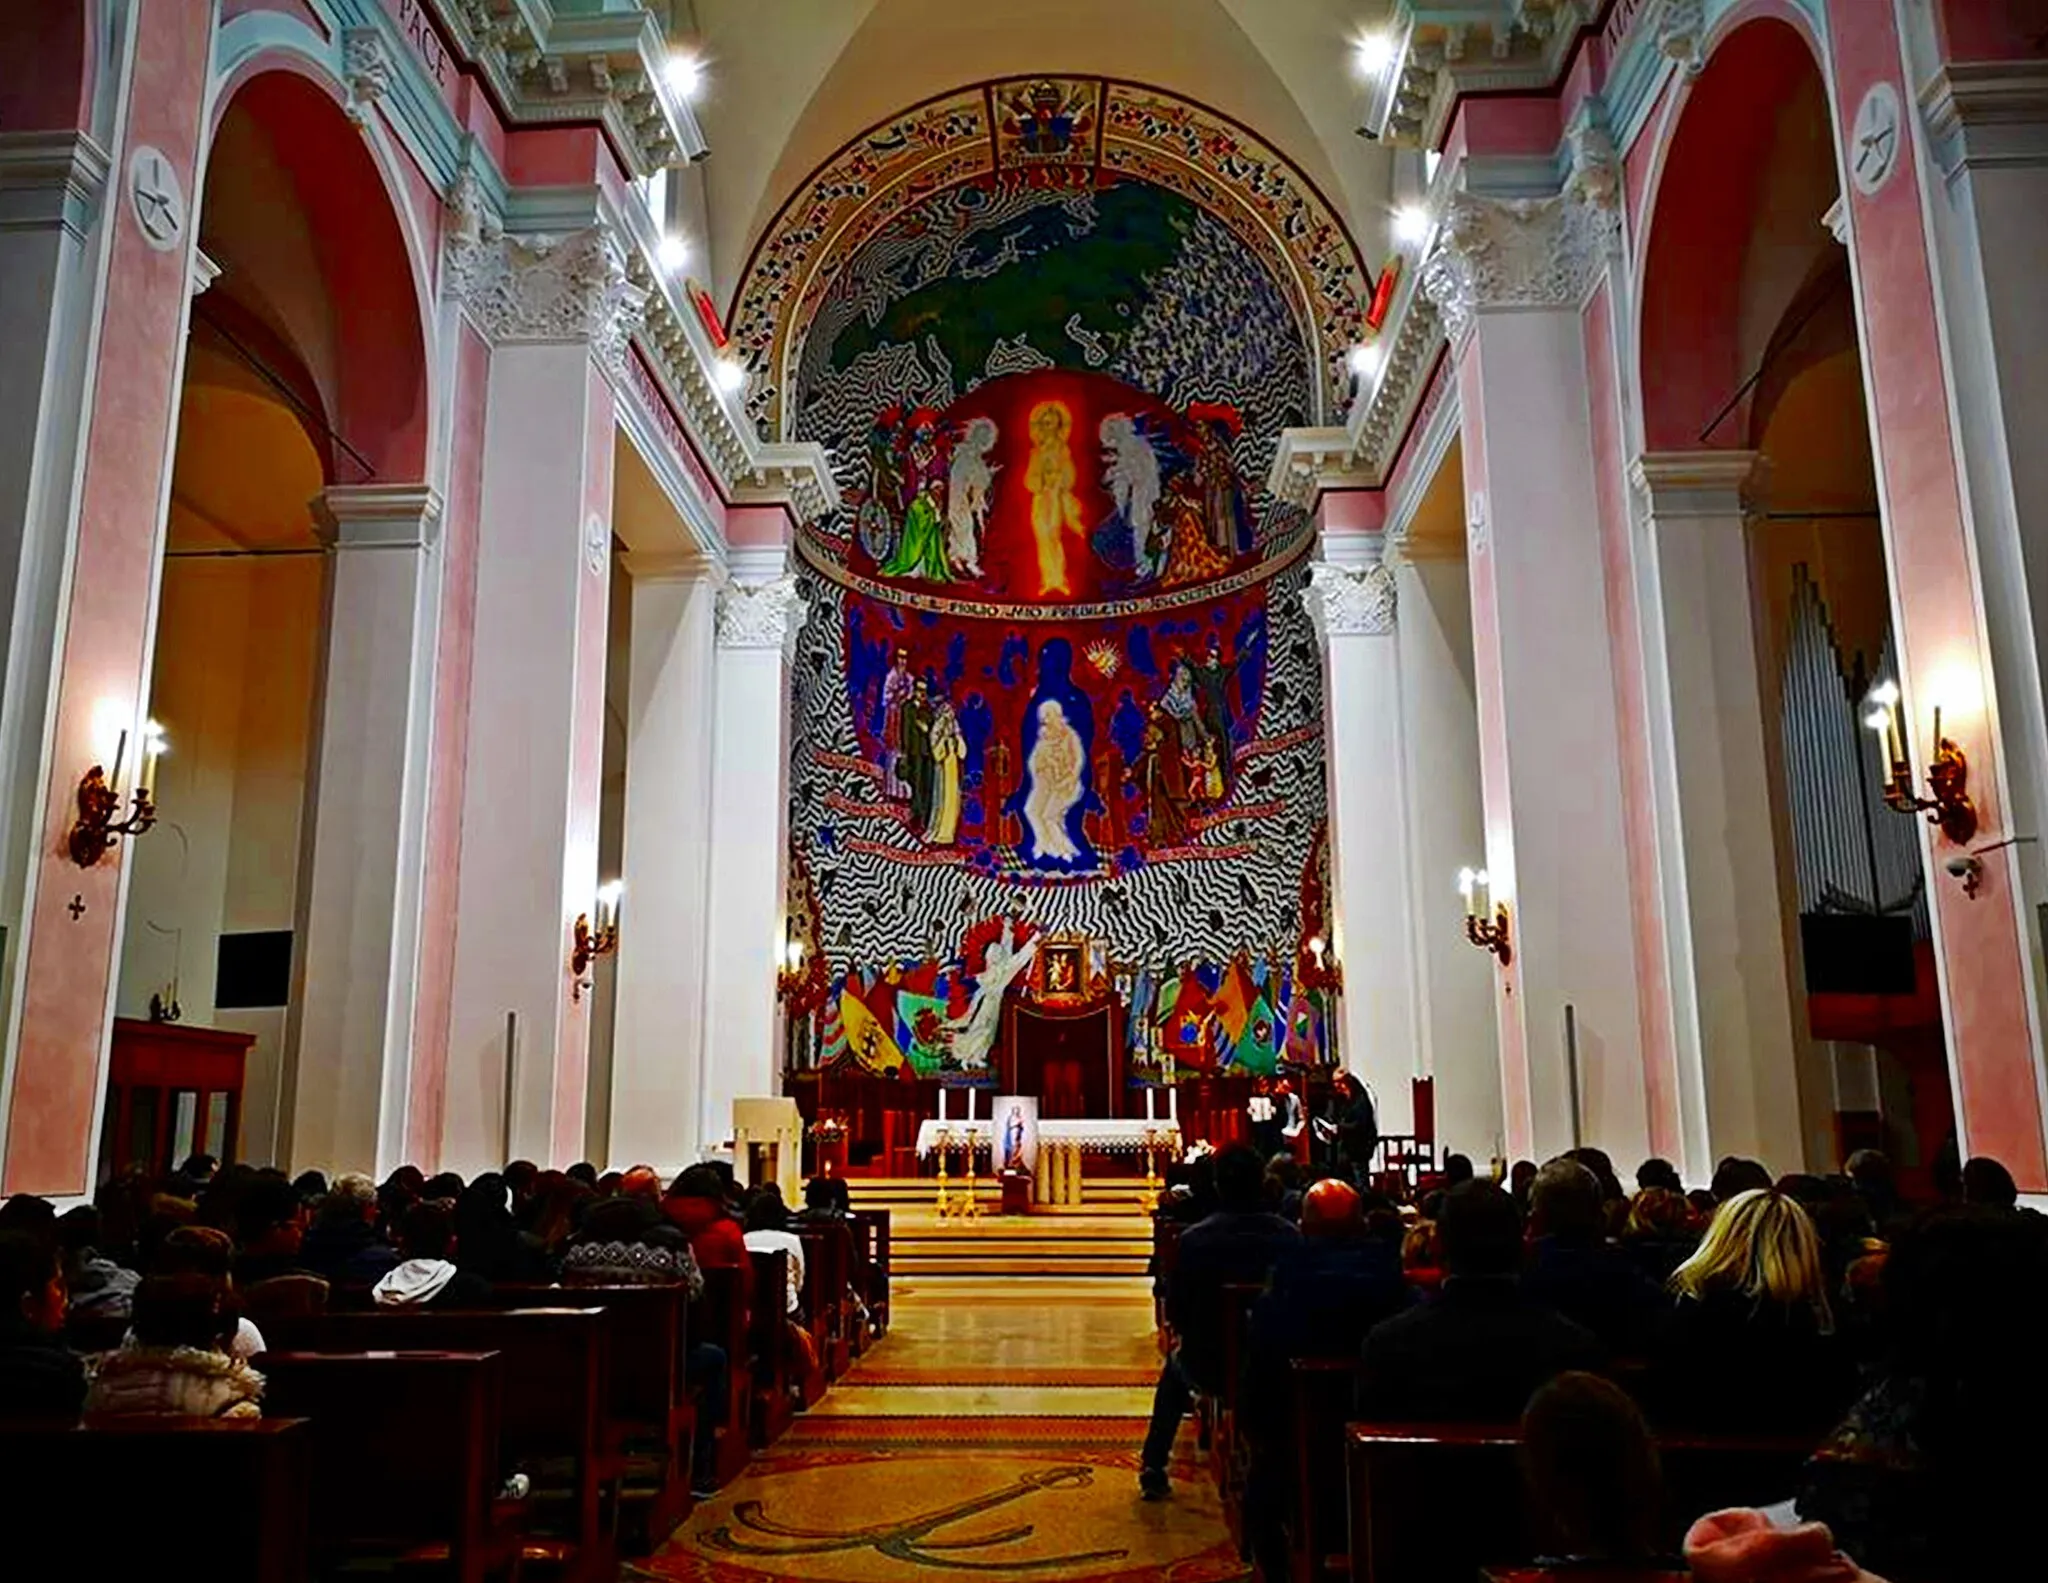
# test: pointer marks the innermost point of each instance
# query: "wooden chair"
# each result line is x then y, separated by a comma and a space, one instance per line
556, 1397
427, 1424
128, 1495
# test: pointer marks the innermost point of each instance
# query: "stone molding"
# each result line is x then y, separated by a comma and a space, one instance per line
796, 473
1682, 33
761, 615
570, 287
1350, 602
1988, 113
1307, 462
1452, 49
51, 178
1718, 484
671, 566
378, 516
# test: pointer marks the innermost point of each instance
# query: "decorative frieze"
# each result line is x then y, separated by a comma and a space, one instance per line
1308, 461
761, 615
1350, 603
1453, 49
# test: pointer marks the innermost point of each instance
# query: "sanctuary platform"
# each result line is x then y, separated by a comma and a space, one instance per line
1109, 1235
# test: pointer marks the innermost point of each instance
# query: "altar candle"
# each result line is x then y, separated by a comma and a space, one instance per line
942, 1102
1173, 1106
1150, 1096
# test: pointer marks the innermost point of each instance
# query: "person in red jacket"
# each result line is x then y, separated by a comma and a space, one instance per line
696, 1205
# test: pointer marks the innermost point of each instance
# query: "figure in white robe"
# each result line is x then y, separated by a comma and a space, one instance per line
1056, 763
969, 482
975, 1034
1131, 475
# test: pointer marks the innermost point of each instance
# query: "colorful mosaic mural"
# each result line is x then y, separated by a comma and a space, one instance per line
1050, 134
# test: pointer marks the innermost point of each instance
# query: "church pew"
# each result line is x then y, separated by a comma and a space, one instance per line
769, 1354
557, 1392
143, 1497
1441, 1501
427, 1422
871, 1226
1225, 1452
1318, 1546
825, 1295
650, 1407
720, 1318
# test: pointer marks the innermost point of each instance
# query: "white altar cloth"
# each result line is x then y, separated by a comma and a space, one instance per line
1106, 1136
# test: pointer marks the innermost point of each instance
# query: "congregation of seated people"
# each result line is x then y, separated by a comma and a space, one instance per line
150, 1303
1894, 1345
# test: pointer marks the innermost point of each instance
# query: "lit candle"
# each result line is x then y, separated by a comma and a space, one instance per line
942, 1102
1468, 879
1150, 1099
608, 903
1482, 883
120, 752
152, 749
1173, 1106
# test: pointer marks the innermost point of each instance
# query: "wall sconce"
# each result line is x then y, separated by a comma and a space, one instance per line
1949, 808
1488, 933
1324, 970
590, 944
95, 830
789, 973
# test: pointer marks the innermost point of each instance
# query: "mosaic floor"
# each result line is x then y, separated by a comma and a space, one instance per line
995, 1432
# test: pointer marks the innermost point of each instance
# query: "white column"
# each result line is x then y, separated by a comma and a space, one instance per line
1735, 1016
1447, 832
758, 619
348, 1053
1509, 279
1353, 607
659, 998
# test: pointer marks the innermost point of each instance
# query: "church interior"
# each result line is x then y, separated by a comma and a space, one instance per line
859, 789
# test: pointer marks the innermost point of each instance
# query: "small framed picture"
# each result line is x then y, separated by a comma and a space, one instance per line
1063, 970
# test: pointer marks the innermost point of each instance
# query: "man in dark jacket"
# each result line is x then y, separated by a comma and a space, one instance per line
343, 1245
1236, 1245
1574, 1269
1480, 1349
40, 1377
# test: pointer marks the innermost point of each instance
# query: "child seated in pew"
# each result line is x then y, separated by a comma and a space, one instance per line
40, 1377
176, 1359
1590, 1469
427, 1276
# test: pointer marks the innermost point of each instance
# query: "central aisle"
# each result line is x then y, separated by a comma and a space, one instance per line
995, 1429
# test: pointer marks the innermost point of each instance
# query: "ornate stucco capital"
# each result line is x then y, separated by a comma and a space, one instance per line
571, 286
1523, 252
761, 615
1350, 602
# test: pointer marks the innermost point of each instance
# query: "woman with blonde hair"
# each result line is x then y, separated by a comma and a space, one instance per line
1750, 1344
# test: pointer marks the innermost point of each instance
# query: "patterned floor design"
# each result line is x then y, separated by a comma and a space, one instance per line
914, 1475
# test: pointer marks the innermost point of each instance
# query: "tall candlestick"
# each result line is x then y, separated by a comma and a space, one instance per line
942, 1102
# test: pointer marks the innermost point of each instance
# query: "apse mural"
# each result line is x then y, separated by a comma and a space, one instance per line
1057, 682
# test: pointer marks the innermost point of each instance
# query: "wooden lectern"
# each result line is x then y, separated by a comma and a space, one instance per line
768, 1144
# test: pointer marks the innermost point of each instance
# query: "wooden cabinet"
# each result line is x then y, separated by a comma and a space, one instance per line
172, 1091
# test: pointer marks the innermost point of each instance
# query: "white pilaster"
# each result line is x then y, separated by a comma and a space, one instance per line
1353, 603
1447, 832
758, 618
1734, 1013
658, 1049
348, 1053
1509, 278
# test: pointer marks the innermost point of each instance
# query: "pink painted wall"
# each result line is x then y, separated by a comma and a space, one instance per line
47, 57
554, 157
454, 661
1985, 30
69, 964
757, 527
1639, 817
1992, 1047
1517, 1103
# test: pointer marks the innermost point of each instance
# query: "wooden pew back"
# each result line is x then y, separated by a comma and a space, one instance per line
143, 1496
425, 1422
1439, 1501
1322, 1393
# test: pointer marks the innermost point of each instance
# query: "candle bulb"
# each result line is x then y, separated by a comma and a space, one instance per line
1467, 880
120, 752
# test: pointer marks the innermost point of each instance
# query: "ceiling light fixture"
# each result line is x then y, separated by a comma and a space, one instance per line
1364, 360
672, 252
1373, 53
730, 375
684, 74
1411, 225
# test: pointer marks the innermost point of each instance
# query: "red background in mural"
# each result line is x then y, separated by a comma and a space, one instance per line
1009, 546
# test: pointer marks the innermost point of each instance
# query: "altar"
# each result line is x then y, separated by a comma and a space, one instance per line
1062, 1147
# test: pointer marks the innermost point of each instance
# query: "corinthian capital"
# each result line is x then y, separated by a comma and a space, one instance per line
569, 287
761, 615
1527, 252
1345, 603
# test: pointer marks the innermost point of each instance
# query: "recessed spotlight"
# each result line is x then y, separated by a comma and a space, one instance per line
672, 252
1411, 224
684, 75
1373, 53
1364, 360
729, 374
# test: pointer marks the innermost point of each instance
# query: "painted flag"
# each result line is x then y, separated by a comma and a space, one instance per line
1234, 998
870, 1042
1191, 1025
1258, 1050
920, 1030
